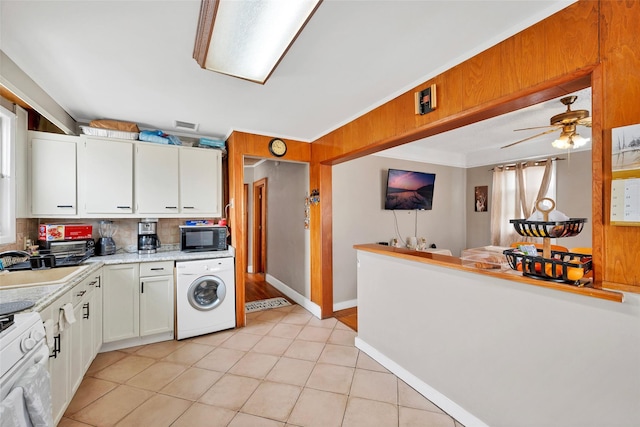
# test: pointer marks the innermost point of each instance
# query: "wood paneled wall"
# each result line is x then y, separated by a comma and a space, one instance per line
620, 47
588, 43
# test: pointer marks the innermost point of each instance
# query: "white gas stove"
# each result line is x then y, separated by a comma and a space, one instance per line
21, 345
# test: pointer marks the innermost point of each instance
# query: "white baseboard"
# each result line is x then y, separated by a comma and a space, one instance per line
249, 268
294, 295
443, 402
133, 342
345, 304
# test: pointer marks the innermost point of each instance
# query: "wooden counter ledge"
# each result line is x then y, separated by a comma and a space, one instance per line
593, 290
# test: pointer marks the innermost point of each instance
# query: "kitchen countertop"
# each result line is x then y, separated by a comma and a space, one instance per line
44, 295
127, 258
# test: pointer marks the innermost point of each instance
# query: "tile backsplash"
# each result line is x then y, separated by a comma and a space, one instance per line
126, 236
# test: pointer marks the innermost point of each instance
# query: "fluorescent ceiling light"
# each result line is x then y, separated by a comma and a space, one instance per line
248, 38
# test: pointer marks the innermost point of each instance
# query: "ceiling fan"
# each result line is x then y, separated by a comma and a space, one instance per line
566, 122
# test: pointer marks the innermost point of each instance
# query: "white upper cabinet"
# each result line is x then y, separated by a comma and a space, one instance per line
106, 176
94, 177
200, 182
156, 179
53, 175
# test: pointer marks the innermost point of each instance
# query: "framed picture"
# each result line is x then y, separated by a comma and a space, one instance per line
481, 198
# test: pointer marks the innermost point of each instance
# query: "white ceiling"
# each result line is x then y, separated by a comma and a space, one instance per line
132, 61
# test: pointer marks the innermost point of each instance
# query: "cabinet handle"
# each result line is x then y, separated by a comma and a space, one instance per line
56, 347
142, 287
123, 207
86, 314
81, 293
171, 207
93, 283
188, 207
64, 206
98, 280
157, 268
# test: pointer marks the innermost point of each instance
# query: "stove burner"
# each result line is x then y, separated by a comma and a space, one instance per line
6, 322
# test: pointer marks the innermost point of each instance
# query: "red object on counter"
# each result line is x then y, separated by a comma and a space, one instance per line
51, 232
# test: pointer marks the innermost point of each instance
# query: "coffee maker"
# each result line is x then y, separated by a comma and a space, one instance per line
148, 241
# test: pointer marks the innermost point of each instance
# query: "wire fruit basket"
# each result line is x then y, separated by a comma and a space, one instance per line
551, 229
566, 267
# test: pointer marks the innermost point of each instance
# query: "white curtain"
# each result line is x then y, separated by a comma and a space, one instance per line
514, 194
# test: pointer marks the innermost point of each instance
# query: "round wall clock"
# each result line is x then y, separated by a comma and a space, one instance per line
277, 147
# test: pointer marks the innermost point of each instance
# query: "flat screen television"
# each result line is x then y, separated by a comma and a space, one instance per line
407, 190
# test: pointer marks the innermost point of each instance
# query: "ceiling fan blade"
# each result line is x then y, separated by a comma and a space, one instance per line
531, 137
585, 122
538, 127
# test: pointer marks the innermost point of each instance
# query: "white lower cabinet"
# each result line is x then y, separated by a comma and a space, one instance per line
59, 358
74, 344
156, 298
120, 302
137, 302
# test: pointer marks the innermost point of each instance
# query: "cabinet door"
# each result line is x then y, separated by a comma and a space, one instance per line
58, 361
120, 302
60, 380
156, 179
200, 181
88, 314
53, 177
96, 315
76, 364
156, 305
107, 176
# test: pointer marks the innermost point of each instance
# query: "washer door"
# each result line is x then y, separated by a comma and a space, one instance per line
206, 293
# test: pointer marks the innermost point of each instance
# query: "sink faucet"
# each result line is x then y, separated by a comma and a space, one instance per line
11, 255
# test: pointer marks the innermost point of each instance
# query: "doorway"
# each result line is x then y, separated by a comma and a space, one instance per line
260, 226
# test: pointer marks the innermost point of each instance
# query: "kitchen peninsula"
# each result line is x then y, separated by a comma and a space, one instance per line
491, 349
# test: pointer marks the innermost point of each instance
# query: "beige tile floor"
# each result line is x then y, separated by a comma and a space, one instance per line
285, 368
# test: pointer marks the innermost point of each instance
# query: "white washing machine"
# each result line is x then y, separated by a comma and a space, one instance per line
205, 296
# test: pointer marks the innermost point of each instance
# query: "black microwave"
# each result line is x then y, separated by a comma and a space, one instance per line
197, 238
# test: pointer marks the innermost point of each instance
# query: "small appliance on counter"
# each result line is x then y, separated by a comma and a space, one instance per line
148, 240
106, 245
60, 245
64, 252
199, 238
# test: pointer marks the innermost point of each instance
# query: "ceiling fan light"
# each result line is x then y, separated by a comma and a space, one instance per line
578, 141
563, 142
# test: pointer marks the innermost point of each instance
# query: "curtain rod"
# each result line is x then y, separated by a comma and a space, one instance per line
534, 163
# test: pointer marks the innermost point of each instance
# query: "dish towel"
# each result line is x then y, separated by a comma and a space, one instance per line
13, 413
48, 333
36, 386
66, 316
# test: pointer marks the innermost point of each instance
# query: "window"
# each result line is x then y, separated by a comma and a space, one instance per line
7, 177
515, 192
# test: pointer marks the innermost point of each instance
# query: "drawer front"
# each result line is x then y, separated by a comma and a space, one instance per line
158, 268
79, 291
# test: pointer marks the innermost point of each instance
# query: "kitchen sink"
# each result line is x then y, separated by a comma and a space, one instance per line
25, 278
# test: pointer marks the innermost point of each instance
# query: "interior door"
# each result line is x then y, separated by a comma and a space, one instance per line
245, 221
260, 225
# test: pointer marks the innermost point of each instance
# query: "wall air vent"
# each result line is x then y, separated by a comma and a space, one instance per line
185, 125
